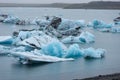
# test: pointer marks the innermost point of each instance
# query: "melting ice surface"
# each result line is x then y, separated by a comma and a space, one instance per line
85, 37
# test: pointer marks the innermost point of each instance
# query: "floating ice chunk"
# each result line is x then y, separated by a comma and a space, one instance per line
4, 50
74, 52
71, 39
54, 48
93, 53
11, 19
37, 41
29, 57
115, 29
99, 24
67, 24
25, 35
104, 30
85, 37
6, 40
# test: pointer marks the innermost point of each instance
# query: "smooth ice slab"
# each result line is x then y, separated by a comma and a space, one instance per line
6, 40
28, 57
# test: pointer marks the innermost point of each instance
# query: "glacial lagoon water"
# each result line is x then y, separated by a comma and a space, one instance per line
77, 69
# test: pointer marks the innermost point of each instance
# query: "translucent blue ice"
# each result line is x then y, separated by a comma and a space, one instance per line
99, 24
53, 49
93, 53
6, 40
74, 52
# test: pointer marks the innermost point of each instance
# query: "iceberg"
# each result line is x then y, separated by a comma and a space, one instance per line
29, 57
85, 37
36, 41
99, 24
67, 24
6, 40
93, 53
54, 48
22, 35
4, 50
11, 19
74, 52
115, 29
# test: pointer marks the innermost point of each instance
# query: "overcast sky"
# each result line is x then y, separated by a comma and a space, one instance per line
49, 1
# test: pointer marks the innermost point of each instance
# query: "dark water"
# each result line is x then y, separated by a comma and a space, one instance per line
10, 69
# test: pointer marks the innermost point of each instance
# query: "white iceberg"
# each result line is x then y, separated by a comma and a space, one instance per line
93, 53
25, 35
28, 57
4, 50
85, 37
115, 29
6, 40
67, 24
11, 19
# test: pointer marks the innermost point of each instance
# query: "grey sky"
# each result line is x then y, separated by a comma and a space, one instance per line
49, 1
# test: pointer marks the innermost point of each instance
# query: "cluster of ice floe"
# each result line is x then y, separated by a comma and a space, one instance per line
37, 46
104, 27
48, 44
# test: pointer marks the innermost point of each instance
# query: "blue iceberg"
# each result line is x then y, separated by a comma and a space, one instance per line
99, 24
93, 53
74, 52
6, 40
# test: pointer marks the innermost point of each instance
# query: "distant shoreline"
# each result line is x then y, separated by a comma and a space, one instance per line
114, 76
90, 5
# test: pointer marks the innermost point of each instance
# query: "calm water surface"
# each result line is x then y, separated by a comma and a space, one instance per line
79, 68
